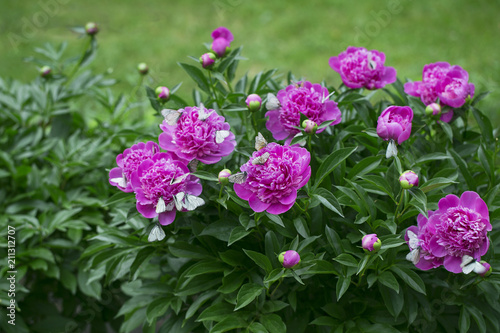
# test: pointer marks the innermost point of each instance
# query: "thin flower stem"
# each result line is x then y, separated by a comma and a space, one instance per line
396, 216
279, 284
77, 66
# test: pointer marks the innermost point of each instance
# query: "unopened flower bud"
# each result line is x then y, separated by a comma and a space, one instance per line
220, 46
371, 243
289, 258
143, 68
309, 126
163, 93
224, 176
91, 28
408, 179
433, 109
254, 102
207, 60
45, 71
488, 268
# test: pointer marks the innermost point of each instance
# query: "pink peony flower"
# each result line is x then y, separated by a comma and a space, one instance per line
222, 32
359, 68
305, 98
289, 258
371, 242
222, 40
425, 260
128, 162
395, 123
200, 134
207, 59
442, 81
272, 183
162, 177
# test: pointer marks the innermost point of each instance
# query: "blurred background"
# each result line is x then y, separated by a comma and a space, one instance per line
295, 36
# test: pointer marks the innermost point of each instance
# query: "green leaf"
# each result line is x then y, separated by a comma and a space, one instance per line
198, 76
257, 328
484, 125
206, 176
232, 282
216, 312
447, 130
198, 302
92, 289
237, 234
331, 162
346, 260
275, 218
464, 170
324, 321
220, 230
364, 166
436, 183
342, 286
464, 320
432, 157
230, 322
247, 293
478, 318
68, 280
273, 306
273, 323
410, 278
328, 200
334, 240
260, 259
157, 308
380, 182
205, 267
420, 202
393, 301
388, 280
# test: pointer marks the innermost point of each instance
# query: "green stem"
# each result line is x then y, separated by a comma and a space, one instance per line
279, 284
77, 66
396, 216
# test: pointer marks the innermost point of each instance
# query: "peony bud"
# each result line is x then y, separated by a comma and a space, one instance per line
224, 176
91, 28
45, 71
143, 68
254, 102
163, 93
433, 109
408, 179
207, 60
309, 126
488, 267
371, 243
289, 258
220, 46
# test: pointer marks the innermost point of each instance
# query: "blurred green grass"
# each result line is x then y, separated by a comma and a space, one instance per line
295, 35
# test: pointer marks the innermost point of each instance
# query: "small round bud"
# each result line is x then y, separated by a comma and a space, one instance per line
408, 179
309, 126
371, 243
224, 176
488, 268
163, 93
143, 68
207, 60
45, 71
91, 28
254, 102
289, 258
433, 109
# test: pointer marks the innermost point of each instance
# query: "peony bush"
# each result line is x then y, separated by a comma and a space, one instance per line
269, 203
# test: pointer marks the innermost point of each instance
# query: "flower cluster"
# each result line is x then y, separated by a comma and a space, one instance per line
197, 133
451, 234
274, 175
302, 98
360, 68
444, 82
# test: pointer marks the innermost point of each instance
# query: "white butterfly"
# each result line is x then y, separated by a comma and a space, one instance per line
238, 178
171, 116
470, 264
121, 181
160, 206
392, 149
156, 234
179, 179
261, 159
272, 102
221, 135
193, 165
202, 114
188, 201
414, 255
260, 142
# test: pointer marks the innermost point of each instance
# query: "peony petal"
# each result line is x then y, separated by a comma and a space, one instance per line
482, 209
468, 199
166, 218
452, 264
278, 208
446, 117
165, 141
194, 188
242, 191
448, 201
436, 249
256, 204
148, 211
289, 199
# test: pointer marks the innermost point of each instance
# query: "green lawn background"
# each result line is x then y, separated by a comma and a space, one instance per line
290, 35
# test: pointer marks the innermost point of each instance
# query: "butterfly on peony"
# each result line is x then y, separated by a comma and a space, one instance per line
414, 255
171, 116
261, 159
238, 178
221, 135
188, 201
272, 102
260, 142
156, 234
470, 264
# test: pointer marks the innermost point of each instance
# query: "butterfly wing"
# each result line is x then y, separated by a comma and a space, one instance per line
272, 102
122, 182
191, 202
179, 179
160, 206
221, 135
193, 165
261, 159
467, 264
156, 234
178, 200
413, 239
171, 116
414, 256
238, 178
260, 142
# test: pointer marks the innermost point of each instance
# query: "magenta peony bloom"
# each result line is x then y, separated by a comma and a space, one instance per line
272, 184
408, 179
289, 258
359, 68
200, 134
461, 226
128, 162
420, 246
254, 102
207, 59
222, 40
371, 242
162, 177
222, 32
442, 81
311, 100
395, 123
